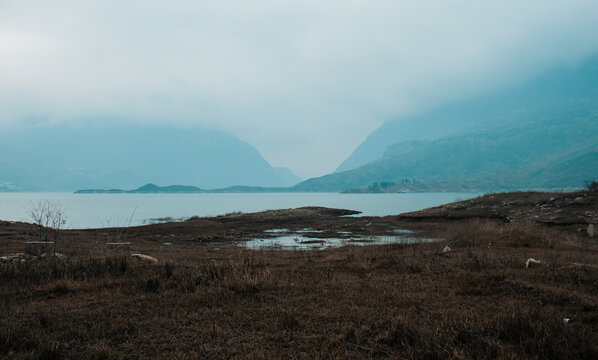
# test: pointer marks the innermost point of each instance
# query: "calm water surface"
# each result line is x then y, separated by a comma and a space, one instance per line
102, 210
292, 242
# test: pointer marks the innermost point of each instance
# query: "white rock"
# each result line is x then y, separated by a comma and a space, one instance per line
591, 231
530, 261
145, 258
446, 249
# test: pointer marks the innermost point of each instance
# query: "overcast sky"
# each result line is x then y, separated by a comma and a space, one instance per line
303, 81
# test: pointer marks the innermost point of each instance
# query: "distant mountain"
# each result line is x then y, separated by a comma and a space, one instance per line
551, 153
571, 169
67, 158
543, 134
550, 92
403, 148
151, 188
146, 189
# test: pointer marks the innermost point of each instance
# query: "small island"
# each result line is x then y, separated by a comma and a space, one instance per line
184, 189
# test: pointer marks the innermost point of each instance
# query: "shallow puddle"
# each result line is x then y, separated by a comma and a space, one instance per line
276, 231
297, 242
309, 230
402, 231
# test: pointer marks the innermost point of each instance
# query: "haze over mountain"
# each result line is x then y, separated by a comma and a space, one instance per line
67, 158
549, 92
543, 134
302, 81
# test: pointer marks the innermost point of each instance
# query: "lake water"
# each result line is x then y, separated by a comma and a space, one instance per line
103, 210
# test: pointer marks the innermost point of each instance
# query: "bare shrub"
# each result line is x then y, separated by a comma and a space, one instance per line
49, 218
592, 185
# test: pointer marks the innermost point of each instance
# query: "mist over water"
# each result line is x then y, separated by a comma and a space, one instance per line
100, 210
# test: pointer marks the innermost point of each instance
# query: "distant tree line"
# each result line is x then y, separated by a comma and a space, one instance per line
381, 185
388, 184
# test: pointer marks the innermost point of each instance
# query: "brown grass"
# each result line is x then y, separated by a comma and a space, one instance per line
394, 301
482, 232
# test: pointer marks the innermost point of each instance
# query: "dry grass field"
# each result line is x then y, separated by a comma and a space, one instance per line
477, 300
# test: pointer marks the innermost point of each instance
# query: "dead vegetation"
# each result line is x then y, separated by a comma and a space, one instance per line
477, 300
482, 232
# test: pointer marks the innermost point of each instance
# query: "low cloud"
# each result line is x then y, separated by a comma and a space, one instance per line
303, 81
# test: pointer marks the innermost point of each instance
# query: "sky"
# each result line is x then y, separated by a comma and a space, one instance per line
303, 81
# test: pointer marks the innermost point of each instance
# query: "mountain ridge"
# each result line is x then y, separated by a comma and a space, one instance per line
69, 158
542, 94
529, 155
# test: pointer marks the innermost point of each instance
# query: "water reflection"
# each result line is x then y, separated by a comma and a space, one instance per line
297, 242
